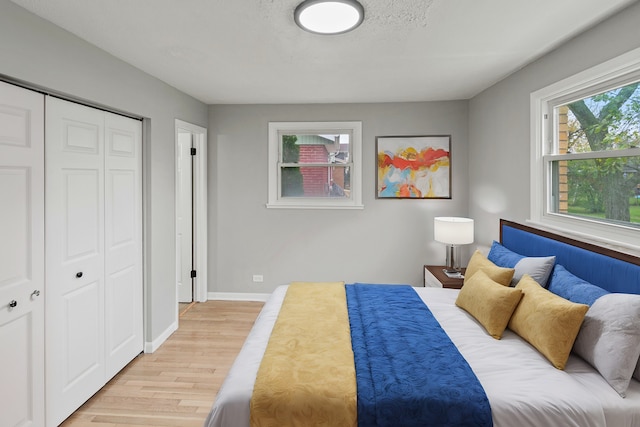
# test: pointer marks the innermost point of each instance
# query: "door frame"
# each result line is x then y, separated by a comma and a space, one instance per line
199, 190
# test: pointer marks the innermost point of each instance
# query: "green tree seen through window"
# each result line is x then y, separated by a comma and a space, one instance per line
604, 122
291, 177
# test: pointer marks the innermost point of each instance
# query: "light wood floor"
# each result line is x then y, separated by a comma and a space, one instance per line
176, 385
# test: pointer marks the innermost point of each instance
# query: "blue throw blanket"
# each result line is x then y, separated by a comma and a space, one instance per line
408, 371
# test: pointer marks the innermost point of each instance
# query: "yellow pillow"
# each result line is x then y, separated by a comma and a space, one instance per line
548, 322
489, 302
478, 261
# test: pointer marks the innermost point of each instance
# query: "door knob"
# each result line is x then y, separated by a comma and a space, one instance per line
13, 303
79, 274
35, 293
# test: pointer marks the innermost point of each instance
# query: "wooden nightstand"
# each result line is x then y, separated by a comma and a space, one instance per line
434, 277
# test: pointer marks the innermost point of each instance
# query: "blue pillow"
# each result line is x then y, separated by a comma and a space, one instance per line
539, 268
573, 288
503, 257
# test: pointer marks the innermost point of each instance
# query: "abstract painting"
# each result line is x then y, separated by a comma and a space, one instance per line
413, 167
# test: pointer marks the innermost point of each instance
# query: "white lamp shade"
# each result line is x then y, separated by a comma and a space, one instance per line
453, 230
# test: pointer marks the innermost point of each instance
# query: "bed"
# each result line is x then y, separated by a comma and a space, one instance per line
521, 385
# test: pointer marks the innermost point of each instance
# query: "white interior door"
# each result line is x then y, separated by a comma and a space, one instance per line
21, 257
184, 218
191, 213
75, 363
123, 241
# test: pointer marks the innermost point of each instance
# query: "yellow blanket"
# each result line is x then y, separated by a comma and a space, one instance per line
307, 376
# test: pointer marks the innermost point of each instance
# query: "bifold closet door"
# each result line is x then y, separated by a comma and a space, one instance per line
21, 257
93, 251
75, 363
123, 241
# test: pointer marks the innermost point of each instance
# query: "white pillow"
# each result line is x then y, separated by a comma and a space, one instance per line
539, 268
609, 338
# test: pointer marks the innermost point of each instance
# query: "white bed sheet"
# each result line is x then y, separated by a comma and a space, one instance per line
517, 379
231, 407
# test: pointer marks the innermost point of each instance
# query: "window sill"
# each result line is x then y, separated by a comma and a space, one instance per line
616, 237
312, 206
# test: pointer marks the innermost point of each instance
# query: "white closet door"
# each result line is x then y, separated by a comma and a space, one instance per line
75, 363
21, 257
123, 241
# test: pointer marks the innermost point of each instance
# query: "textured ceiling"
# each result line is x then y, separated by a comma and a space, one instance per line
251, 51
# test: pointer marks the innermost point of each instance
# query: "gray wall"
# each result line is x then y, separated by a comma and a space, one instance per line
40, 53
387, 242
499, 128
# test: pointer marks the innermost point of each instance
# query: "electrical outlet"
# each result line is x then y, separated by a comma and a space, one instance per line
258, 278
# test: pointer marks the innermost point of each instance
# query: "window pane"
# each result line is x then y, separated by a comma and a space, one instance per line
315, 148
316, 181
606, 189
603, 122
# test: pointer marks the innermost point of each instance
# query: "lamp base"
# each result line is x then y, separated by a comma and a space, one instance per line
453, 274
453, 258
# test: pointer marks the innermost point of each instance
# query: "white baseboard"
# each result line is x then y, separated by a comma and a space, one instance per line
233, 296
150, 347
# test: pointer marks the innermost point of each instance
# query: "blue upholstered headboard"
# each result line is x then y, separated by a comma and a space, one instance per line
609, 269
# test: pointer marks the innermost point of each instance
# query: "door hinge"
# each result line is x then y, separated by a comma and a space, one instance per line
193, 274
193, 151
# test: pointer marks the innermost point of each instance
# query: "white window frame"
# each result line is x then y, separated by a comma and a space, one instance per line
615, 72
278, 128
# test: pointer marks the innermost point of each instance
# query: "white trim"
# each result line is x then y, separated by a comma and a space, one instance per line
617, 71
200, 201
615, 236
536, 170
234, 296
150, 347
354, 202
201, 215
311, 203
627, 152
610, 71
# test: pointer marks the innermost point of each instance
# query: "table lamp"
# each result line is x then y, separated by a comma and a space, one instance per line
453, 231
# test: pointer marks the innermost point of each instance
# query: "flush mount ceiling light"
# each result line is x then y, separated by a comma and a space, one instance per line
329, 16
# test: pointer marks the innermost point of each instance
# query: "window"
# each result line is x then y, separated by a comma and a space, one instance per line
585, 170
315, 165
